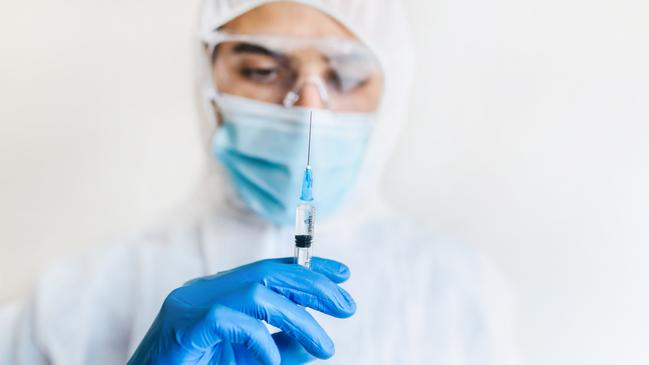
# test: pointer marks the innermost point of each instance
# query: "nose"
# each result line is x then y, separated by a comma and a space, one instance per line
310, 97
308, 93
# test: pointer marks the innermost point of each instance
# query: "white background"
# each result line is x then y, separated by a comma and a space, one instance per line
528, 138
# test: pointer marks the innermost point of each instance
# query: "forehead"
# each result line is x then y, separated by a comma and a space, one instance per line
287, 18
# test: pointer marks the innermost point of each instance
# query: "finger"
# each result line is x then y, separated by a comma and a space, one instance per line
308, 288
225, 324
334, 270
303, 286
292, 352
262, 303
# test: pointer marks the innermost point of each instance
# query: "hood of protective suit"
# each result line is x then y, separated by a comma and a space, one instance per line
382, 26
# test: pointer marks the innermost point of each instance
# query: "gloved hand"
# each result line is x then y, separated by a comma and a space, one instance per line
218, 319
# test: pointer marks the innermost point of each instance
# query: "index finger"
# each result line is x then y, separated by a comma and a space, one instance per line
308, 288
334, 270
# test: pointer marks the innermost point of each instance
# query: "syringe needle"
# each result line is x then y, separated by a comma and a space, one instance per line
308, 156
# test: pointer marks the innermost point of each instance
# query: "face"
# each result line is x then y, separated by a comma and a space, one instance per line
292, 49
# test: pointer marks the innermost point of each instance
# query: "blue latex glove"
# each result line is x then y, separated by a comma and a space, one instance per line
218, 319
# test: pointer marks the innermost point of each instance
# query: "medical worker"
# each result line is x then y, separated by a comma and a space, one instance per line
216, 284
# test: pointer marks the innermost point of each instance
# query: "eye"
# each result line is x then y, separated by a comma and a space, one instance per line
345, 82
260, 74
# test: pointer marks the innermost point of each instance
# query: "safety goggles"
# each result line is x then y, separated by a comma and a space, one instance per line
342, 73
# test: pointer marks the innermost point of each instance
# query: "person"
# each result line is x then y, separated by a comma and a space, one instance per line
216, 283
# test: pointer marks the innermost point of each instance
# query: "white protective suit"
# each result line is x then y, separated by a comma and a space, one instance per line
421, 299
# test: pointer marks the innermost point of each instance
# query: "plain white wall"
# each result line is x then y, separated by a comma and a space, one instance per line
528, 138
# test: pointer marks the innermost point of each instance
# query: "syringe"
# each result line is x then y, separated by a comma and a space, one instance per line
305, 212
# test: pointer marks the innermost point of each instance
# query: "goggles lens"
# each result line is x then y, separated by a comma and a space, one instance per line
276, 69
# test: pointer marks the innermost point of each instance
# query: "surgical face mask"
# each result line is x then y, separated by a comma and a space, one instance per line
264, 149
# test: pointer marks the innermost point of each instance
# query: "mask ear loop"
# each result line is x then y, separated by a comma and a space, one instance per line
294, 95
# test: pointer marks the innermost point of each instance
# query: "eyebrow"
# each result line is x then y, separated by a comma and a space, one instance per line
252, 48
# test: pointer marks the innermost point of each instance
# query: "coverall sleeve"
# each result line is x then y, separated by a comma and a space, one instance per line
78, 312
18, 342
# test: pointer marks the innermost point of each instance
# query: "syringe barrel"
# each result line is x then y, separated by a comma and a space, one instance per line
303, 256
304, 221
